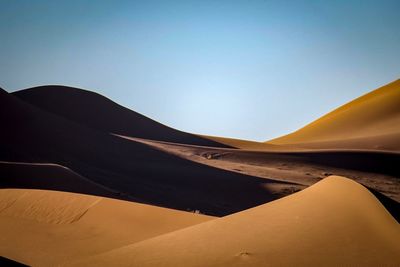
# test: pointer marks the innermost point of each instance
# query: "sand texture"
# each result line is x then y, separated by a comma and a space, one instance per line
335, 222
45, 228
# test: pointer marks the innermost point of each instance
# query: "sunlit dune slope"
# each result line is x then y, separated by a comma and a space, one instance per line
383, 142
44, 228
136, 171
371, 121
335, 222
96, 111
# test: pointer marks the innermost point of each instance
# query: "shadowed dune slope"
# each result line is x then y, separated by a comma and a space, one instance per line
377, 170
98, 112
335, 222
136, 171
48, 176
371, 121
45, 228
11, 263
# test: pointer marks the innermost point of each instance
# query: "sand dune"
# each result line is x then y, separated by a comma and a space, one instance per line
98, 112
336, 222
67, 139
136, 171
48, 176
45, 228
382, 142
376, 170
250, 145
371, 121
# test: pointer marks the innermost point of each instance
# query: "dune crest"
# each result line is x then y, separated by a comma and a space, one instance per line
98, 112
45, 228
370, 122
367, 117
49, 176
335, 222
41, 206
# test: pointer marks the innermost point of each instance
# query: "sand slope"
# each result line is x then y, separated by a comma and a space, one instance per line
98, 112
48, 176
371, 121
249, 145
136, 171
335, 222
39, 227
377, 170
380, 142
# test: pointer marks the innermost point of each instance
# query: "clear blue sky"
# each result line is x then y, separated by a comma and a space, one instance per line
244, 69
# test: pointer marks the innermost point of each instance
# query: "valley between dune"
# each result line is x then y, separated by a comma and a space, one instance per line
87, 182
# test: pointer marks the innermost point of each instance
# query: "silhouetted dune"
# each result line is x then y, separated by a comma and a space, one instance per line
98, 112
136, 171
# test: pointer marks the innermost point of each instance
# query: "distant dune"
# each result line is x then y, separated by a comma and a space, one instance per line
336, 222
371, 121
248, 145
45, 228
98, 112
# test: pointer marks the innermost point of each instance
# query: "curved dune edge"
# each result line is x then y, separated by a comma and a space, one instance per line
370, 122
335, 222
49, 176
98, 112
246, 144
372, 115
45, 228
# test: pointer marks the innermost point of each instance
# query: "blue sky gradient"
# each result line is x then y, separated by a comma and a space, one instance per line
243, 69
